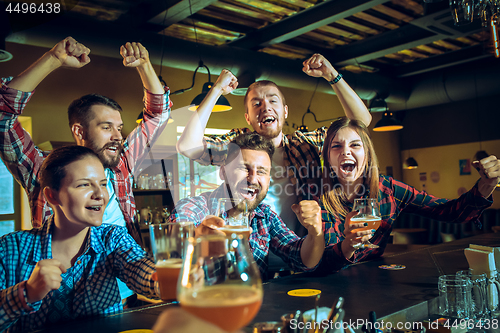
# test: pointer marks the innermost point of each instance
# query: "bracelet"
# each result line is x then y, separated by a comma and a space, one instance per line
337, 79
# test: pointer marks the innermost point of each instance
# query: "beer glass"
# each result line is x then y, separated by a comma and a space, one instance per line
234, 212
455, 296
220, 281
168, 241
368, 212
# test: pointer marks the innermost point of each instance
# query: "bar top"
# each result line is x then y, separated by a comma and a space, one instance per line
364, 286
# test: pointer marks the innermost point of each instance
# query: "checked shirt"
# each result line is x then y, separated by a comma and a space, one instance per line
24, 159
303, 151
268, 230
89, 287
396, 197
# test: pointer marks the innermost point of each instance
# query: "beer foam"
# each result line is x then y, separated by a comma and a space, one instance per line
221, 295
366, 219
169, 263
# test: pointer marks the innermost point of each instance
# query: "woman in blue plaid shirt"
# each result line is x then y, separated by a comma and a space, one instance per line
68, 268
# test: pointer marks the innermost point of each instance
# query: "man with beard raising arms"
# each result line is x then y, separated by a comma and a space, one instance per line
246, 176
95, 122
297, 156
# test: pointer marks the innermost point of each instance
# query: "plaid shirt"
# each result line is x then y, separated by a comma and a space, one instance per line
268, 230
394, 198
303, 151
109, 253
24, 159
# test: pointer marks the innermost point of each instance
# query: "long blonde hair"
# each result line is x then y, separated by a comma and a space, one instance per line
334, 198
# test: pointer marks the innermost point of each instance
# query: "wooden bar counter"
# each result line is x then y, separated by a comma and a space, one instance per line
364, 286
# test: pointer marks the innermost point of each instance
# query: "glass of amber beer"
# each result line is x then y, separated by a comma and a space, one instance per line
168, 242
220, 281
368, 212
234, 212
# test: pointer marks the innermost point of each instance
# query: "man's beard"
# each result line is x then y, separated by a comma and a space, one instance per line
107, 161
251, 205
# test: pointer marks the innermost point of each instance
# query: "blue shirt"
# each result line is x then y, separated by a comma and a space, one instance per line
89, 287
268, 230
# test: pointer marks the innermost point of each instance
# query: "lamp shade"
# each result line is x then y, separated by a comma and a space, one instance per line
410, 163
387, 123
221, 105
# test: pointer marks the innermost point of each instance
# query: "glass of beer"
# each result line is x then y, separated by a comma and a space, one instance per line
220, 282
168, 242
368, 212
234, 212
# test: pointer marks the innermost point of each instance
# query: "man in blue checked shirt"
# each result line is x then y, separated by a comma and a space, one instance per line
246, 176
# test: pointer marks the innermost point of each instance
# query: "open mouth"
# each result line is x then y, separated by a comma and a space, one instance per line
112, 149
347, 166
249, 193
268, 120
94, 208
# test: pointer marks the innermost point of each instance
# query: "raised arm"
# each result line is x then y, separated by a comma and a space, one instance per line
136, 55
354, 107
489, 169
67, 53
191, 143
309, 214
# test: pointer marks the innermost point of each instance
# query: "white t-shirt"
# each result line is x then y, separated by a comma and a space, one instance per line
112, 213
282, 194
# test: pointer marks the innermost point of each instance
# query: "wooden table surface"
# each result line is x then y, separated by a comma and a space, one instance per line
364, 286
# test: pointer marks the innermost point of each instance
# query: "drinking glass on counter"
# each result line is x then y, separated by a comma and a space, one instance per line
220, 281
479, 294
455, 296
168, 242
234, 212
369, 213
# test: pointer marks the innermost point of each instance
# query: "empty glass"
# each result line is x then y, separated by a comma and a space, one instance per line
454, 296
479, 299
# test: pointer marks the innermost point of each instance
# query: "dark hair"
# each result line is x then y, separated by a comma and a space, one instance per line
252, 141
333, 196
262, 83
53, 169
79, 109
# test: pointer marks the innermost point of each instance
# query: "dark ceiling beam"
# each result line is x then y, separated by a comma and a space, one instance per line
142, 12
425, 30
180, 11
374, 47
307, 20
464, 55
240, 28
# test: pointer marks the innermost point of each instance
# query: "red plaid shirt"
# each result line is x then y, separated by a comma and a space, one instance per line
303, 151
24, 159
396, 197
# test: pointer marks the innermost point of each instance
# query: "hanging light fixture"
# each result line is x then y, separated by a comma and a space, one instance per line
303, 128
222, 103
387, 123
410, 163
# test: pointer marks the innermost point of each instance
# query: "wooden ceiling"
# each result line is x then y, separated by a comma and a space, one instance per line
397, 37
